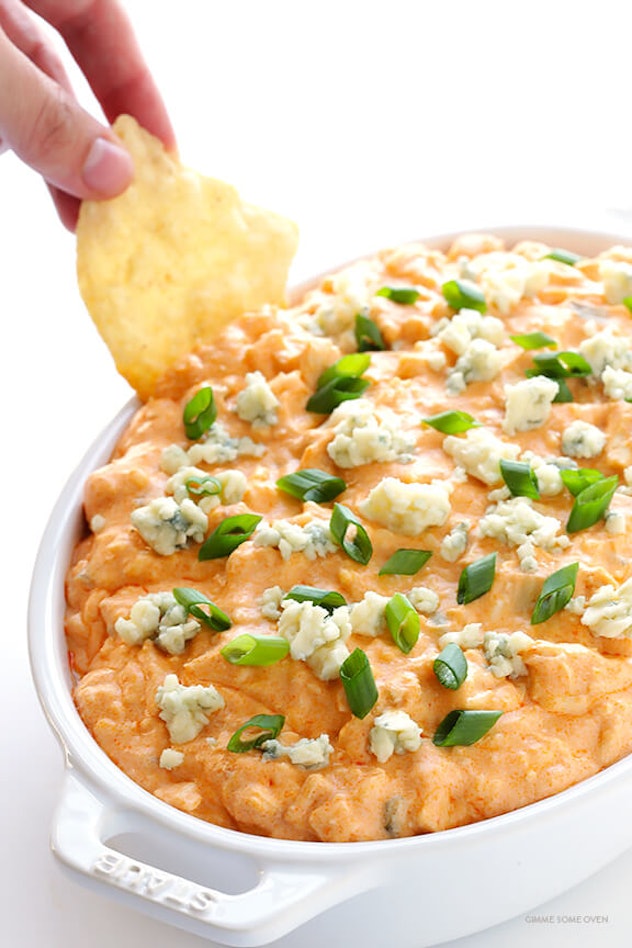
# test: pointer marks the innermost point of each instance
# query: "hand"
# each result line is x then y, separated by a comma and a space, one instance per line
40, 118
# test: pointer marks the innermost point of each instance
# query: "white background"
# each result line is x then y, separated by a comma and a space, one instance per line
368, 123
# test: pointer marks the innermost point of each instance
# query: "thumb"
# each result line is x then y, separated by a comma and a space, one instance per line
48, 130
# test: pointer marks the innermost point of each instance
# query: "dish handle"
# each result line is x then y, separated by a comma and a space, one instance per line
285, 895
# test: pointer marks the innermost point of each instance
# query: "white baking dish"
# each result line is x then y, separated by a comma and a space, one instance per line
237, 889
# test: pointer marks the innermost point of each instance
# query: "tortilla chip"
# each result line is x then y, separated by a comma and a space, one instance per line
165, 265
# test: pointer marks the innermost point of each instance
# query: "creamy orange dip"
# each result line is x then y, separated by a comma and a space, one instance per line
153, 685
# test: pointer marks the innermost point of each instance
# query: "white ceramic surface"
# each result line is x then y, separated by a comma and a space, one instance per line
242, 890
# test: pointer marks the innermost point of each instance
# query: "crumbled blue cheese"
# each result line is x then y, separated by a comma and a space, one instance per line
505, 278
256, 402
454, 544
97, 523
363, 434
233, 484
423, 600
615, 522
481, 362
528, 403
547, 472
185, 709
582, 440
394, 732
408, 509
470, 636
271, 602
458, 332
617, 383
608, 612
518, 523
311, 753
167, 526
176, 485
459, 475
217, 447
367, 616
474, 338
316, 636
429, 355
173, 458
159, 617
479, 452
312, 539
616, 276
606, 348
499, 494
171, 758
351, 293
576, 605
502, 651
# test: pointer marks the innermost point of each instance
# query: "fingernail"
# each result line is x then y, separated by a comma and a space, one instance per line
108, 169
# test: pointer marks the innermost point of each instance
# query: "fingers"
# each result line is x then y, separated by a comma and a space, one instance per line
48, 129
25, 33
40, 118
100, 37
67, 207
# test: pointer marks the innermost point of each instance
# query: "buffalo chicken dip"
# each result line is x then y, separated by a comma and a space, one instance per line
360, 569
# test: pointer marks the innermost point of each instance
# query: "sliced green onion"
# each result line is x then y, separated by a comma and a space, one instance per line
450, 667
564, 393
464, 727
463, 294
403, 622
200, 607
451, 422
405, 562
329, 599
357, 679
591, 504
367, 334
559, 367
520, 478
576, 479
228, 535
534, 340
400, 294
256, 650
344, 521
339, 383
557, 591
199, 413
562, 365
352, 365
269, 725
338, 390
476, 579
207, 486
562, 256
310, 483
